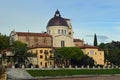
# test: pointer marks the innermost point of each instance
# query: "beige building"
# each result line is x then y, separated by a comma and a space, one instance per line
59, 34
78, 42
92, 51
32, 39
39, 43
44, 56
61, 31
95, 53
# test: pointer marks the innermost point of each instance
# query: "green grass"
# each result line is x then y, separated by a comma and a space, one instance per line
69, 72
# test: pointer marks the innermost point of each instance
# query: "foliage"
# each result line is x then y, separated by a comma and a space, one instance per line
4, 42
70, 72
20, 50
2, 71
73, 55
87, 61
112, 52
95, 40
70, 53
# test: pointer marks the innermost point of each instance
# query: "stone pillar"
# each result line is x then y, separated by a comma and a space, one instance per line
116, 66
98, 67
88, 66
70, 66
82, 67
76, 66
104, 67
63, 66
31, 66
13, 66
56, 66
23, 66
93, 67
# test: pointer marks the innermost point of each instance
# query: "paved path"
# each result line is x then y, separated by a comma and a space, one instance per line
111, 77
17, 74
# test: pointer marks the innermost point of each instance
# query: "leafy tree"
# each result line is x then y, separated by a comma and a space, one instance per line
112, 52
4, 42
20, 52
69, 54
104, 47
86, 60
95, 40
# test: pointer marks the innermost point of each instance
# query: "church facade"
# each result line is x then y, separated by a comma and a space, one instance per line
61, 31
59, 34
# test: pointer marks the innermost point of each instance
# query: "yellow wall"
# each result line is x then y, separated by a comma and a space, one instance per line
42, 62
97, 55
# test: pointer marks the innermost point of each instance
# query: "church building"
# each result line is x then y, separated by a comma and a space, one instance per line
59, 34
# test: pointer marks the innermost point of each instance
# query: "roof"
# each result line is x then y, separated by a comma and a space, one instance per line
40, 46
57, 20
33, 34
78, 40
88, 46
67, 19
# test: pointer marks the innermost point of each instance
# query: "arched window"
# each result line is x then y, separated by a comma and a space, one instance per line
62, 31
65, 31
58, 31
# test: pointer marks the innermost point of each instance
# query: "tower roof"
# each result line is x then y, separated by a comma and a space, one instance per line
57, 20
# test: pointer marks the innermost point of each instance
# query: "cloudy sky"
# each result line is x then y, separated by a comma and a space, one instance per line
87, 17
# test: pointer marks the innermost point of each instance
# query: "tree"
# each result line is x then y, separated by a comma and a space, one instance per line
69, 54
4, 42
112, 52
104, 47
95, 40
86, 60
20, 52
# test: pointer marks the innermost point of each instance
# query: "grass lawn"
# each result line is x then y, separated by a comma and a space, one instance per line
69, 72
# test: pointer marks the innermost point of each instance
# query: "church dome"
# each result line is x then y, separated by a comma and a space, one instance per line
57, 20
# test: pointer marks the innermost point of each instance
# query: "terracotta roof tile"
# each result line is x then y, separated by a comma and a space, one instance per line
33, 34
40, 46
88, 46
78, 40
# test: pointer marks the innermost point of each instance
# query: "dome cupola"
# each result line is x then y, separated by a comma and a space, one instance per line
57, 20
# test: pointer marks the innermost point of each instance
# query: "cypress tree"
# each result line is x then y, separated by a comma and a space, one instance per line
95, 40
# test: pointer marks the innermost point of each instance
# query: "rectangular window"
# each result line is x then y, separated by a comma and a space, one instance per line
41, 51
91, 52
62, 43
40, 63
41, 56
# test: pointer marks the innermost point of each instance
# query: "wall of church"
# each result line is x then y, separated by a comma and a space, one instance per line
32, 41
57, 30
68, 41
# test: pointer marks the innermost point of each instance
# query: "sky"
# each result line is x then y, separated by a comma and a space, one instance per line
88, 17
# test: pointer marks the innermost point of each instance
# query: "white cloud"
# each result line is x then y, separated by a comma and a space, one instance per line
101, 38
117, 28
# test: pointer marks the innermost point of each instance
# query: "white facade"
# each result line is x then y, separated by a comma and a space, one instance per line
62, 34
